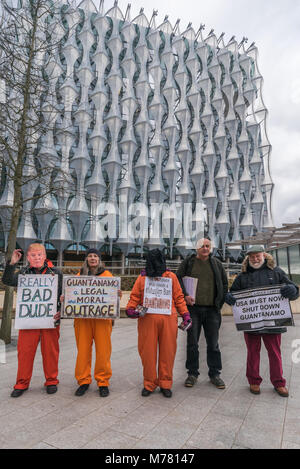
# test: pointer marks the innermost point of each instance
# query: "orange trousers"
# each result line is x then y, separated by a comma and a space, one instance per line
157, 334
27, 344
87, 331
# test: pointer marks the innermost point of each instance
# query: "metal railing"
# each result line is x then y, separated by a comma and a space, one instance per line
134, 267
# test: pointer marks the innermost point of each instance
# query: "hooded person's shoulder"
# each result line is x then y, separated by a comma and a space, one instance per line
169, 274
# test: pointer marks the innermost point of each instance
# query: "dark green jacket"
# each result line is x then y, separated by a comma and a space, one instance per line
221, 281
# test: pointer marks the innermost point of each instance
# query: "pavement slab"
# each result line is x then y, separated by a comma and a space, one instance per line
194, 418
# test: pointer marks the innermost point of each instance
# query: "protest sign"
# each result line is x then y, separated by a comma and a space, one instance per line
261, 308
158, 295
36, 301
91, 297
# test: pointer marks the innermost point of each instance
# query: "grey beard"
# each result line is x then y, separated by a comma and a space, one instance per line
256, 266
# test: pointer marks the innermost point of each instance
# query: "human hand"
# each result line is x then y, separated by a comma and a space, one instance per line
16, 256
132, 313
56, 319
230, 299
190, 301
288, 291
61, 298
120, 294
186, 322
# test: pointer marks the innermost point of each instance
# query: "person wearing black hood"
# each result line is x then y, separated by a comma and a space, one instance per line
157, 331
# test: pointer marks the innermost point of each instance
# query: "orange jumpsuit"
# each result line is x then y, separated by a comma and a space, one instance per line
158, 331
27, 344
87, 331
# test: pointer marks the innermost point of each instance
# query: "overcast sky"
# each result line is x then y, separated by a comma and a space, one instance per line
274, 25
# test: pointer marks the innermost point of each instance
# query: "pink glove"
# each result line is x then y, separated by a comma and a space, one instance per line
186, 319
132, 313
186, 322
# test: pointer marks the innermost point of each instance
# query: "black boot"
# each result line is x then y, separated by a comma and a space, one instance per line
82, 389
51, 389
103, 391
146, 392
17, 392
166, 392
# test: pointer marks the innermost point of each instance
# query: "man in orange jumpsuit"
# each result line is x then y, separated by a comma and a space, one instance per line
89, 330
29, 339
157, 330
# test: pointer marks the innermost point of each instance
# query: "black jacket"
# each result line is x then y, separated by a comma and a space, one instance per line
221, 282
266, 275
10, 276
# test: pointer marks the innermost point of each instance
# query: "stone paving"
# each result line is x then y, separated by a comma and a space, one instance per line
194, 418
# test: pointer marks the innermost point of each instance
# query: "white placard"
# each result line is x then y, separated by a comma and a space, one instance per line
36, 301
190, 285
87, 296
158, 295
261, 308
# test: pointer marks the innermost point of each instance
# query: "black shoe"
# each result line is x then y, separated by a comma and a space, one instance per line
146, 392
17, 392
51, 389
103, 391
82, 389
166, 392
190, 381
217, 381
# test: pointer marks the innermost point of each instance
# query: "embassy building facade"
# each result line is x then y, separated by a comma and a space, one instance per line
161, 133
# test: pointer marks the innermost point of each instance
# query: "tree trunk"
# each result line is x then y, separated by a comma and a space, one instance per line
5, 332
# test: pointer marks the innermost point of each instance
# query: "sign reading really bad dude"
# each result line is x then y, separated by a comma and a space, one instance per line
36, 301
91, 297
261, 308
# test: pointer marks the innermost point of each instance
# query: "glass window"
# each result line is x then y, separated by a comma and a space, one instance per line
282, 259
294, 255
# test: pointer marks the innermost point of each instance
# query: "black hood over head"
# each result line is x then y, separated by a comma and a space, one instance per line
155, 264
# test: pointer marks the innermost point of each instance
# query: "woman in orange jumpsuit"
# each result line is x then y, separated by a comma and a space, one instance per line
97, 330
157, 330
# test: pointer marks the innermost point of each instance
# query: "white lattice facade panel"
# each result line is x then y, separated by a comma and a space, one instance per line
161, 135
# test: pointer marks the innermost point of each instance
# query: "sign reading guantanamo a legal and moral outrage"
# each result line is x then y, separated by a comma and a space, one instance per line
261, 308
91, 297
36, 301
158, 295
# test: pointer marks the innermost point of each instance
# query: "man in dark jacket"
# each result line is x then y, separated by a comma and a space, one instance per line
258, 270
29, 338
205, 310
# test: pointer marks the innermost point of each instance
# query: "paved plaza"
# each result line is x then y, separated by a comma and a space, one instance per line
194, 418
